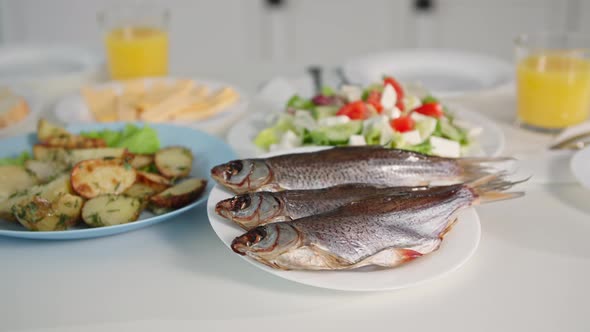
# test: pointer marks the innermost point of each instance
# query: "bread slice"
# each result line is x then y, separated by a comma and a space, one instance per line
13, 108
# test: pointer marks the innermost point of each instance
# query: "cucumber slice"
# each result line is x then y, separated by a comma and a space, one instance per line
321, 112
426, 127
451, 132
337, 134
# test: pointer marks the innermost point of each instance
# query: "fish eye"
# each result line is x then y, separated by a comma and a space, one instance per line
240, 202
234, 167
255, 235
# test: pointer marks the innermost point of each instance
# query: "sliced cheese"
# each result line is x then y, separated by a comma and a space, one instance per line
388, 97
445, 148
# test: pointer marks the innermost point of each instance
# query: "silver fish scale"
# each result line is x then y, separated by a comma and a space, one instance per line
303, 203
354, 234
317, 172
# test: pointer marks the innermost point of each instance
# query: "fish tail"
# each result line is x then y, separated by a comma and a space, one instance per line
476, 168
491, 188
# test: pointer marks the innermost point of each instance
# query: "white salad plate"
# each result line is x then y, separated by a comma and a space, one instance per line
72, 109
580, 166
443, 72
456, 249
241, 136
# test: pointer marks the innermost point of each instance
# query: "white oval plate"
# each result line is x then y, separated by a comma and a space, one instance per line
443, 72
580, 165
456, 249
241, 136
72, 109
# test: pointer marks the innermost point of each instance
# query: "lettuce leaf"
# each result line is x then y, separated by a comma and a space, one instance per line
18, 160
135, 139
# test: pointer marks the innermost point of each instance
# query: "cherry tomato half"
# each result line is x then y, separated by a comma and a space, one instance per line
431, 109
355, 110
402, 124
374, 99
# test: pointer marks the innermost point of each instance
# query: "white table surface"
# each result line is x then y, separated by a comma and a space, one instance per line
530, 273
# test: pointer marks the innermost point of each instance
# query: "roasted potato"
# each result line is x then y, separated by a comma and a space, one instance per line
46, 130
48, 191
138, 161
109, 210
44, 170
141, 191
40, 214
174, 162
181, 194
94, 177
158, 182
72, 156
74, 142
14, 178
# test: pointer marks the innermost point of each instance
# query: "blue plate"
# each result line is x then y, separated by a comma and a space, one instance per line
207, 150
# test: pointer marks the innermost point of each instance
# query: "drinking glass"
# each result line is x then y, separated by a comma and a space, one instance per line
136, 40
552, 80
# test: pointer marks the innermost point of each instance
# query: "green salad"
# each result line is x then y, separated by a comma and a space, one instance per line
384, 113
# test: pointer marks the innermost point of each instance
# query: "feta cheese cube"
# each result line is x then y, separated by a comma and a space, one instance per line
289, 140
386, 134
412, 137
392, 113
351, 92
388, 97
357, 140
333, 120
445, 148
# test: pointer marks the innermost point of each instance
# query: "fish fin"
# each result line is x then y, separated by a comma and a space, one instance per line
476, 168
389, 257
490, 188
448, 228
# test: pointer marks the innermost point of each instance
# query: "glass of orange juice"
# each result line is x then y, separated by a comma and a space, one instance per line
552, 80
136, 40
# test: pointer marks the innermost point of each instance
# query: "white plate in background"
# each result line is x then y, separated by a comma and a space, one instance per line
48, 71
443, 72
456, 249
72, 109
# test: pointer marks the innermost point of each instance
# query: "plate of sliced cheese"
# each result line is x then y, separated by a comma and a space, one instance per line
206, 105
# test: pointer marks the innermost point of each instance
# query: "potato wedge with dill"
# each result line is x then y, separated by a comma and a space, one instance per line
138, 161
174, 162
44, 171
48, 191
94, 177
156, 181
47, 130
180, 195
40, 214
110, 210
14, 178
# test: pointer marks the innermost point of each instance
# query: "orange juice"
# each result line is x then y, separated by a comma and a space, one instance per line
137, 52
553, 90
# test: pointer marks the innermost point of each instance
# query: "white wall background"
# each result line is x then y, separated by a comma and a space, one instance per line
228, 37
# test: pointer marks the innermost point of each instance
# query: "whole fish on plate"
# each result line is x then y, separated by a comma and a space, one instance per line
345, 165
381, 231
258, 208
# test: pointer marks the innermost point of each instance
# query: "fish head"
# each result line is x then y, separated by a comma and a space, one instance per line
251, 210
267, 242
242, 175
